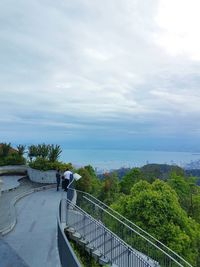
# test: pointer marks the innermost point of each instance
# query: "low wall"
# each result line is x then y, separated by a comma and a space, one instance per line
13, 169
38, 176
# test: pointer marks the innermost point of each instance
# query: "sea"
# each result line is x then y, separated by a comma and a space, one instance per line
106, 160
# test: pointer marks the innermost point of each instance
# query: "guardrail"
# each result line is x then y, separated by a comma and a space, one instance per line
101, 242
133, 235
66, 253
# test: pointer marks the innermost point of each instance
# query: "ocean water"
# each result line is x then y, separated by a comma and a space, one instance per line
113, 159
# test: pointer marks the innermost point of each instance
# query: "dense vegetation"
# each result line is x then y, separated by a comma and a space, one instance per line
10, 156
42, 157
168, 207
45, 157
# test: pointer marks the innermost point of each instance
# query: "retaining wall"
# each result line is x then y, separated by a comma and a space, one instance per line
41, 176
10, 169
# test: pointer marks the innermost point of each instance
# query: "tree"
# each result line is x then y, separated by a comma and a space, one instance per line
32, 152
129, 179
5, 149
181, 186
155, 208
54, 152
89, 182
110, 188
85, 183
21, 149
43, 151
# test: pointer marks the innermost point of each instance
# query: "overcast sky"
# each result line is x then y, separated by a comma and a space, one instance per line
100, 73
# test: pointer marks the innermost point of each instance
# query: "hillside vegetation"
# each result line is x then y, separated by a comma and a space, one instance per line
159, 198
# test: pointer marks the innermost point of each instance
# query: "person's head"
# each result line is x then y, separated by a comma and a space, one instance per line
58, 170
67, 169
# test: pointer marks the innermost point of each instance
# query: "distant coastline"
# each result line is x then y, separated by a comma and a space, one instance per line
104, 160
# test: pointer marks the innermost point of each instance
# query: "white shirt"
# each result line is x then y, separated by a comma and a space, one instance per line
67, 175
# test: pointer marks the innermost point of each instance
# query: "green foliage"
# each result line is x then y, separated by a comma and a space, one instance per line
54, 152
21, 149
12, 159
196, 207
188, 194
5, 149
45, 165
32, 152
45, 157
155, 208
43, 150
129, 179
110, 188
89, 182
9, 156
83, 256
160, 171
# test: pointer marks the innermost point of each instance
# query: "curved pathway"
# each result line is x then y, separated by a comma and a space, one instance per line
10, 182
34, 238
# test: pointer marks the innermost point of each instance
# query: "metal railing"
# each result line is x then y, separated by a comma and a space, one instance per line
102, 242
66, 253
126, 230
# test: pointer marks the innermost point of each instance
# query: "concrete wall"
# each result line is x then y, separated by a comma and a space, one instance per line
34, 175
41, 176
19, 169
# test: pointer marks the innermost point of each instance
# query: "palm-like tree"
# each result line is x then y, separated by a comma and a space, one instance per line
5, 148
32, 152
54, 152
43, 150
21, 149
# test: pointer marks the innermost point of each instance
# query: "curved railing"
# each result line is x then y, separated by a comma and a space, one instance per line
132, 234
100, 242
66, 253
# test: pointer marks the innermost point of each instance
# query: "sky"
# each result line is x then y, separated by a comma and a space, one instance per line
122, 74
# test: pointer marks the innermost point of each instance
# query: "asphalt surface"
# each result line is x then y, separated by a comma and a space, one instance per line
33, 241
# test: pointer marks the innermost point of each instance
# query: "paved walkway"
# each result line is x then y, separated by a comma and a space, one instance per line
34, 238
7, 200
33, 241
10, 182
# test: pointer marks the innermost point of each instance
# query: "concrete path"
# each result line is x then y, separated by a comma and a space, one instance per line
34, 238
7, 201
8, 257
10, 182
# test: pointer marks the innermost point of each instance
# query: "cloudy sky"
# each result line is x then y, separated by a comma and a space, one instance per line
100, 73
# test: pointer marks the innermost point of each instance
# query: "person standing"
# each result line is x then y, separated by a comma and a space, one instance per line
58, 175
67, 175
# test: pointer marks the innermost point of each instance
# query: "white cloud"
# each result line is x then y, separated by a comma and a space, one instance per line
179, 22
98, 61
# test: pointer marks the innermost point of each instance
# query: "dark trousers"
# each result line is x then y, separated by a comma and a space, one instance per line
58, 183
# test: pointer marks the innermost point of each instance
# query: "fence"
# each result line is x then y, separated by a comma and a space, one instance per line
102, 243
66, 253
135, 237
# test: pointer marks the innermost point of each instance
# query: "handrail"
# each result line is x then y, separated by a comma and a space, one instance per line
66, 253
122, 242
174, 254
135, 231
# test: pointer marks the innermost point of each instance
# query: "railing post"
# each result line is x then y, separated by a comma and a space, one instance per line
104, 242
129, 258
63, 217
111, 247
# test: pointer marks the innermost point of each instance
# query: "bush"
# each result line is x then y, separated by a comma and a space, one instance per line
45, 165
12, 159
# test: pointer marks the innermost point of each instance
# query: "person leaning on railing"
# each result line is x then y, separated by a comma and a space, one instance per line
67, 175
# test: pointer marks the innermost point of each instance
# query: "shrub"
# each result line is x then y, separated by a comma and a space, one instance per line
13, 159
45, 165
